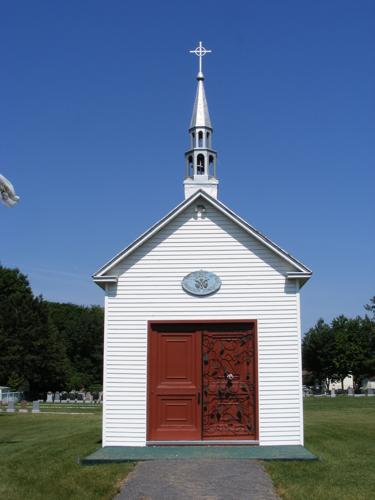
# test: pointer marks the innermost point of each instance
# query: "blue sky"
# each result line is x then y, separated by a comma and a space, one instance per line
95, 102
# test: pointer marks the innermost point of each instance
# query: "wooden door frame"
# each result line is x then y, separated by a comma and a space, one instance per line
202, 322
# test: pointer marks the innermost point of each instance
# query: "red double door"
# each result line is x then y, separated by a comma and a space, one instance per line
202, 381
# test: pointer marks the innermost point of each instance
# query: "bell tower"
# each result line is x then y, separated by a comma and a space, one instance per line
200, 158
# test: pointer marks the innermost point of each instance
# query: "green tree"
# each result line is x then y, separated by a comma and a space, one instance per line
369, 327
354, 352
365, 368
348, 346
81, 330
371, 307
318, 347
31, 355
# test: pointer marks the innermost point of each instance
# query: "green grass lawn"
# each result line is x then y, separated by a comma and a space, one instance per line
38, 458
341, 432
38, 455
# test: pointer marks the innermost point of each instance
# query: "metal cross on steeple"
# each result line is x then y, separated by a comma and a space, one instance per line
200, 51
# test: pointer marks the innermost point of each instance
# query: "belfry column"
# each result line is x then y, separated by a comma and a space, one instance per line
201, 158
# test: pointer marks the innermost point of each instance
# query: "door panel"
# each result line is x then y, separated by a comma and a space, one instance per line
175, 359
229, 410
175, 412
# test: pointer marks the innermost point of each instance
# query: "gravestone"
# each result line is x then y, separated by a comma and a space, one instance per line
333, 393
72, 397
10, 408
370, 392
64, 397
57, 397
36, 407
49, 397
88, 397
350, 391
23, 408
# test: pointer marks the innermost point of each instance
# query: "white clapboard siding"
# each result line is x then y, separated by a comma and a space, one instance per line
254, 286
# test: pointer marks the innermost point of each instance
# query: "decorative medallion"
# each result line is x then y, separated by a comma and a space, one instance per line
201, 283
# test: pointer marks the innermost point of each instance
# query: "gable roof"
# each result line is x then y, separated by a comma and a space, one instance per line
301, 271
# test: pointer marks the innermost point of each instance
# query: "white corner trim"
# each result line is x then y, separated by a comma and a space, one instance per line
300, 367
105, 355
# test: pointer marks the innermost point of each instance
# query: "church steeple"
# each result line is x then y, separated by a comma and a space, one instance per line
201, 158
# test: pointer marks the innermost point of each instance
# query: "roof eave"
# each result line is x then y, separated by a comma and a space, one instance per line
102, 281
302, 278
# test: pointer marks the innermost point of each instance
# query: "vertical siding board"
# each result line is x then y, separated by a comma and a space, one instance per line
254, 287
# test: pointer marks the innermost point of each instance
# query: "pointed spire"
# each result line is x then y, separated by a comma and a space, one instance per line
200, 116
200, 158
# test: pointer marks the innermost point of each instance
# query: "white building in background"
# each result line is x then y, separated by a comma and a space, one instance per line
347, 382
368, 383
3, 390
202, 340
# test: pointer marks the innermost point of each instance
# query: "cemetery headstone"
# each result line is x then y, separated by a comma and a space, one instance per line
88, 397
10, 408
49, 397
57, 397
36, 407
23, 408
350, 391
333, 393
64, 397
72, 397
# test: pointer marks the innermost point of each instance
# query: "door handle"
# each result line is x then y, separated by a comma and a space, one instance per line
199, 398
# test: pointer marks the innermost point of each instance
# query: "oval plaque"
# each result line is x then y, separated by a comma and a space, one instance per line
201, 283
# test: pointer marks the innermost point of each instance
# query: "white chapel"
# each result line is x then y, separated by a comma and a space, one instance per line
202, 336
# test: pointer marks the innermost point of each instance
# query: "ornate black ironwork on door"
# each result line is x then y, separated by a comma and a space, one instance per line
229, 385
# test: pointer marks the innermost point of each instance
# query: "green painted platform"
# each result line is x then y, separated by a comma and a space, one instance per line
113, 454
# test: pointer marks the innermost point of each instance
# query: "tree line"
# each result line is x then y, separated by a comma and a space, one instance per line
47, 345
346, 346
